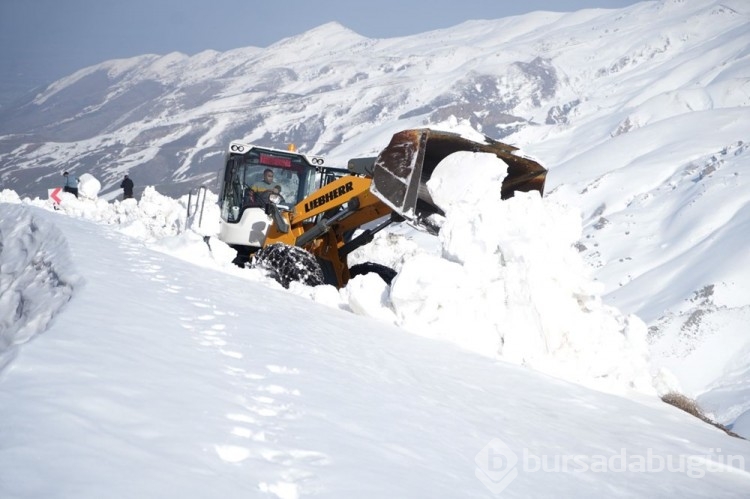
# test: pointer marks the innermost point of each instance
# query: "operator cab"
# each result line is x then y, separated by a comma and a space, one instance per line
245, 191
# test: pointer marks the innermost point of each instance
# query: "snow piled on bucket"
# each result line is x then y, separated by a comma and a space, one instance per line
507, 282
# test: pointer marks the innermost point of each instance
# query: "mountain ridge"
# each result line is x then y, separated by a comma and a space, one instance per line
311, 89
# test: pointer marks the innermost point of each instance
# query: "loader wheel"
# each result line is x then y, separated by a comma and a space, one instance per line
288, 263
385, 273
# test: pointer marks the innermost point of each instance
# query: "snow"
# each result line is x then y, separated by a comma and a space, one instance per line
139, 363
135, 360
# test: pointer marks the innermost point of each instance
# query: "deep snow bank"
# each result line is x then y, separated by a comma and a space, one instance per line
37, 276
507, 282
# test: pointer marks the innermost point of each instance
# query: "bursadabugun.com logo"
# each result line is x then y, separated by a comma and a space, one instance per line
498, 465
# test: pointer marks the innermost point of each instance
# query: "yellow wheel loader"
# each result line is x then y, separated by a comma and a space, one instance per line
298, 219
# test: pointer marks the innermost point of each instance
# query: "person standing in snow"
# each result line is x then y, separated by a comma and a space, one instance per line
71, 184
127, 188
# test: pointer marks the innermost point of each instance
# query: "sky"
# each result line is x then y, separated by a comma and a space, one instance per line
43, 40
134, 362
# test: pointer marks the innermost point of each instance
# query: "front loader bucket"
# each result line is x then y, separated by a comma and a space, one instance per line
402, 169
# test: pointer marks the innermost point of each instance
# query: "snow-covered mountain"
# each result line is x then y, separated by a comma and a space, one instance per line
166, 119
149, 376
641, 115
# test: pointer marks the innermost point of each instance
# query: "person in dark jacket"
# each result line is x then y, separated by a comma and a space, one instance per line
71, 184
127, 188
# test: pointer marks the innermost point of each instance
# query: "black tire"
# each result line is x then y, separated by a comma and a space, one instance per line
287, 263
243, 256
385, 273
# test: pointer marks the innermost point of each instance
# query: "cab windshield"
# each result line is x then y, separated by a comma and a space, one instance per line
250, 178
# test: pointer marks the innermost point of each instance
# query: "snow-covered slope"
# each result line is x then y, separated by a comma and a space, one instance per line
160, 378
641, 115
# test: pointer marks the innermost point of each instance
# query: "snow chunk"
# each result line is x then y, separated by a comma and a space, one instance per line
509, 284
36, 277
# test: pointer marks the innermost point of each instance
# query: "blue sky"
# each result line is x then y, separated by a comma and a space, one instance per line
43, 40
